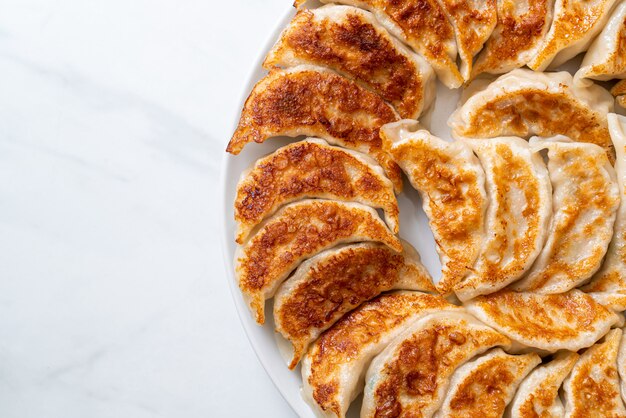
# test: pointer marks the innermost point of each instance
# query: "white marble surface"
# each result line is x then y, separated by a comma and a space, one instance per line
113, 120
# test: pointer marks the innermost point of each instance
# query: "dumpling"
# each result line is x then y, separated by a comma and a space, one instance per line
608, 286
520, 206
484, 386
451, 183
621, 364
311, 168
331, 284
619, 91
567, 321
521, 28
296, 232
333, 370
473, 23
592, 389
311, 101
606, 58
350, 41
525, 103
538, 394
575, 25
423, 25
411, 376
585, 200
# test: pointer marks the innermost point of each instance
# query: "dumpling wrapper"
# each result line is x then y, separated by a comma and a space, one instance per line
311, 169
518, 215
311, 101
606, 58
619, 91
585, 200
483, 387
297, 232
521, 28
423, 25
351, 42
621, 364
451, 183
333, 370
567, 321
333, 283
538, 394
411, 376
593, 389
575, 25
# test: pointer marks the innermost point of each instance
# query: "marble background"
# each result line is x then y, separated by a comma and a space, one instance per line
113, 119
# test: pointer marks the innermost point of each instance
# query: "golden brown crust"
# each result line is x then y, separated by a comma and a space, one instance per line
615, 63
619, 92
316, 103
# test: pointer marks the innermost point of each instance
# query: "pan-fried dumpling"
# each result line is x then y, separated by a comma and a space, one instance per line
621, 364
333, 370
484, 386
314, 169
520, 206
585, 198
331, 284
567, 321
521, 28
311, 101
411, 376
473, 23
525, 103
350, 41
606, 58
619, 91
296, 232
592, 389
423, 25
538, 394
574, 26
450, 181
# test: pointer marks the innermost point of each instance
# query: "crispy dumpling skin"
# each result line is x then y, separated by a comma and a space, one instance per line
312, 169
525, 103
334, 282
334, 368
296, 232
619, 91
606, 58
483, 387
538, 394
519, 211
585, 200
312, 101
567, 321
451, 183
521, 28
574, 26
350, 41
411, 376
592, 389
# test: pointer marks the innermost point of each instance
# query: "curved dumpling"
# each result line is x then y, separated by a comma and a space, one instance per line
423, 25
311, 168
411, 376
520, 206
592, 389
575, 25
538, 394
525, 103
585, 200
451, 183
521, 28
311, 101
334, 368
484, 387
606, 58
619, 91
331, 284
296, 232
567, 321
351, 42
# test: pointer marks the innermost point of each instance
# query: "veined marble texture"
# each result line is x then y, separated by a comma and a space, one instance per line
114, 117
